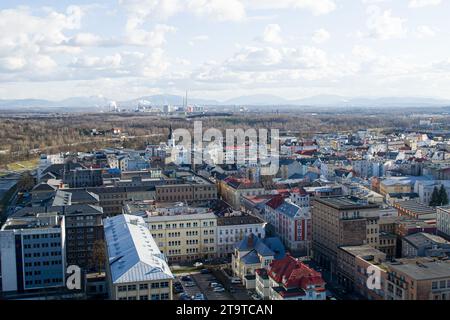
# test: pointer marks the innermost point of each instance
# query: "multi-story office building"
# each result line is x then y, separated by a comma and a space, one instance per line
423, 244
443, 221
341, 221
186, 192
185, 237
353, 270
232, 228
136, 269
418, 279
33, 253
82, 178
84, 227
233, 189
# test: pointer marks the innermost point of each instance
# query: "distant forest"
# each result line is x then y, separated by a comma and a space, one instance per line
25, 137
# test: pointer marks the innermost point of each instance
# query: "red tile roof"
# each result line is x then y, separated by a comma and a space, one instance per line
292, 273
275, 202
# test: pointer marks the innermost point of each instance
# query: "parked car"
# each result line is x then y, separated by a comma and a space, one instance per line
189, 284
218, 289
186, 278
236, 280
205, 271
184, 296
214, 284
199, 296
198, 264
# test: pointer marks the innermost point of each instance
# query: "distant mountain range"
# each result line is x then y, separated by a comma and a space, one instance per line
102, 103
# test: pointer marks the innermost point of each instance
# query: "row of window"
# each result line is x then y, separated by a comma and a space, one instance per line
44, 263
41, 245
143, 286
40, 282
41, 236
44, 254
162, 296
182, 225
236, 231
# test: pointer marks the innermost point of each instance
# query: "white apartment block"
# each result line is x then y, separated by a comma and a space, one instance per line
136, 269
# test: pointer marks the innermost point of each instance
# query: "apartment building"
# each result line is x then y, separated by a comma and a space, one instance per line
424, 245
185, 237
136, 269
443, 221
418, 279
416, 210
84, 227
186, 192
233, 227
356, 264
83, 177
291, 223
33, 253
232, 189
342, 221
291, 279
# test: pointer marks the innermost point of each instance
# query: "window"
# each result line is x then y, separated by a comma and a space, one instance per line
143, 286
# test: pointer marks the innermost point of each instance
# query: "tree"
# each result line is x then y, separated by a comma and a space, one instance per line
443, 196
435, 198
98, 258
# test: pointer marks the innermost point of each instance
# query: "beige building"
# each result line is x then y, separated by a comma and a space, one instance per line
356, 264
418, 279
185, 237
190, 193
232, 189
341, 221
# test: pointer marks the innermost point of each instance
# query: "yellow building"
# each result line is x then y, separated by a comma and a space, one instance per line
185, 237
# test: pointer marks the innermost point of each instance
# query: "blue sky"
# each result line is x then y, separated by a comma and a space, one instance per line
220, 49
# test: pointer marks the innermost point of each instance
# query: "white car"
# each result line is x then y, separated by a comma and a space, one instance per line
236, 280
218, 289
189, 284
198, 264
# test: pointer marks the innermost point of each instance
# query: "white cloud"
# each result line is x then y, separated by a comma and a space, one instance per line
383, 25
423, 3
317, 7
425, 32
272, 34
320, 36
222, 10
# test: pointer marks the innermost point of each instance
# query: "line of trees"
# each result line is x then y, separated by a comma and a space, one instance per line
439, 197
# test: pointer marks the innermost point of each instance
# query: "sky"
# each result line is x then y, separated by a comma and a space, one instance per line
220, 49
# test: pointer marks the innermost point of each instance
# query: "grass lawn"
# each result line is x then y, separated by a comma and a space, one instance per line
23, 165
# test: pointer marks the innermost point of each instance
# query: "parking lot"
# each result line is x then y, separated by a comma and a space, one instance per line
201, 284
203, 281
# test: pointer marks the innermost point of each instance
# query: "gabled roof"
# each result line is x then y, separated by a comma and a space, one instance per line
44, 187
275, 202
292, 273
133, 254
288, 209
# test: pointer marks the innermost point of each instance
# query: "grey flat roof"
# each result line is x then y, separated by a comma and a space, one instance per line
423, 270
345, 203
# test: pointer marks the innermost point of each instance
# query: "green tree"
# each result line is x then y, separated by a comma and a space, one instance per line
98, 258
443, 196
435, 199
